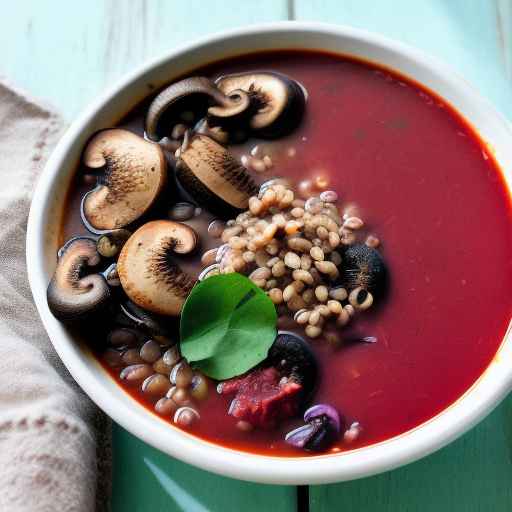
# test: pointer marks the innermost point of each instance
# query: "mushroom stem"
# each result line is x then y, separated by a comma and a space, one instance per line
148, 270
172, 100
71, 295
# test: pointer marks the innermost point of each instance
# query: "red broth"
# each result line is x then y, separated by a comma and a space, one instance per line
428, 187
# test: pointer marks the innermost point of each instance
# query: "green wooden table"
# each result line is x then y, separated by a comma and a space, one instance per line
66, 52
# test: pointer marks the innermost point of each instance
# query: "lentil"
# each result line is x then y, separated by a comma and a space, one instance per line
291, 260
132, 356
314, 317
181, 375
329, 196
338, 293
171, 356
308, 296
199, 387
372, 241
279, 269
289, 292
276, 295
165, 406
150, 351
303, 276
305, 262
186, 416
353, 223
156, 384
313, 331
136, 372
321, 293
317, 254
323, 310
209, 257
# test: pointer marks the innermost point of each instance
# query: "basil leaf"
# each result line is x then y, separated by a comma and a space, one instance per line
227, 326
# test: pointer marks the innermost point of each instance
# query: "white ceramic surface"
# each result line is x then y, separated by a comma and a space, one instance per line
47, 211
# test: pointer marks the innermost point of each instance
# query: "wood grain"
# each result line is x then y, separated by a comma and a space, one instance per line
67, 52
464, 33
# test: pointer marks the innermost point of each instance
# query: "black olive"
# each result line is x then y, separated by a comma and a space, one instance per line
364, 267
293, 356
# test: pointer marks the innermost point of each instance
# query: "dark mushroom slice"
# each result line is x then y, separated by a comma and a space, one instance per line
135, 172
293, 357
278, 102
134, 317
194, 94
148, 270
72, 294
364, 267
214, 132
213, 177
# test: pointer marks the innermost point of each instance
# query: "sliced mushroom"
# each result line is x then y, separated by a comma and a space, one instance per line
278, 102
72, 295
193, 95
148, 270
364, 268
135, 174
213, 177
214, 132
134, 317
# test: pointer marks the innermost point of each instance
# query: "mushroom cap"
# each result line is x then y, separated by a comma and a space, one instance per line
213, 177
280, 101
71, 295
191, 94
135, 174
148, 272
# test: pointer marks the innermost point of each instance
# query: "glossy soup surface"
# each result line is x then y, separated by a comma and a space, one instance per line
427, 187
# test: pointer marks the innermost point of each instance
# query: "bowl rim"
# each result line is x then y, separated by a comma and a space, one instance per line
491, 387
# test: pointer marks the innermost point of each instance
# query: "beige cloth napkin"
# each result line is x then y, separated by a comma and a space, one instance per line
49, 430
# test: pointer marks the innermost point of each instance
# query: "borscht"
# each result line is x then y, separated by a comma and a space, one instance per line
288, 253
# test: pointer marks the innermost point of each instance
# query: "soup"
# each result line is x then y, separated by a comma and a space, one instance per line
431, 197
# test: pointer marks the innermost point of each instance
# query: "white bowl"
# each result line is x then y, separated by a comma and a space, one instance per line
47, 210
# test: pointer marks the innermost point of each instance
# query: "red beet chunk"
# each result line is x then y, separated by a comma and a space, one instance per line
262, 397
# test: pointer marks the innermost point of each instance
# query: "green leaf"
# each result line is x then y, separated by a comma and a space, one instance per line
227, 326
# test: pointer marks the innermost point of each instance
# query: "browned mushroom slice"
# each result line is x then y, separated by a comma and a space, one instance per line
148, 270
72, 295
213, 177
192, 95
135, 174
278, 101
214, 132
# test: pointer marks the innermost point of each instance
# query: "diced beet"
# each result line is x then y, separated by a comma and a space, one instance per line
262, 397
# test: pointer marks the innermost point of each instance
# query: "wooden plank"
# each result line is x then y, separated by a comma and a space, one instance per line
66, 52
472, 474
473, 36
150, 480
